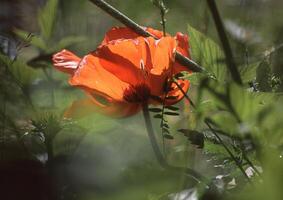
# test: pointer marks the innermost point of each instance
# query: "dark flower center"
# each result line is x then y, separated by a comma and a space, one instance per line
137, 94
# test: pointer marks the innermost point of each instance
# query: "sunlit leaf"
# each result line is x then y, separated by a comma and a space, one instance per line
248, 73
19, 70
68, 41
36, 40
207, 53
263, 77
46, 18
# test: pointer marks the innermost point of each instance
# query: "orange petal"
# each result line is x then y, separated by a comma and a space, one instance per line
66, 61
117, 33
183, 44
162, 53
156, 33
176, 92
125, 59
111, 107
182, 48
90, 74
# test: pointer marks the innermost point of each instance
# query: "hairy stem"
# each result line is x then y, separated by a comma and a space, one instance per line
141, 31
224, 41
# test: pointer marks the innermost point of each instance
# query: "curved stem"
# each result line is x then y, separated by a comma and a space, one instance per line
159, 156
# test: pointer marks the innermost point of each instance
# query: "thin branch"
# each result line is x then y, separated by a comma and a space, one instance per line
224, 41
207, 122
141, 31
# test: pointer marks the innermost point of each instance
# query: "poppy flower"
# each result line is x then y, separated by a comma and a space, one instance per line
125, 71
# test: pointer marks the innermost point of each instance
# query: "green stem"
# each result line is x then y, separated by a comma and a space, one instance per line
224, 41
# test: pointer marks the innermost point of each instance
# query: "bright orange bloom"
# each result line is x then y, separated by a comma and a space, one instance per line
125, 71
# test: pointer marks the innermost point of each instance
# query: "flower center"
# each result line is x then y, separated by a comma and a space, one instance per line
137, 94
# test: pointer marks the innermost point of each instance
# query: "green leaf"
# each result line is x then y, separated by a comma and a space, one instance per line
169, 137
165, 130
165, 125
171, 113
196, 137
20, 71
68, 41
40, 61
156, 110
46, 18
263, 77
248, 104
158, 116
173, 108
36, 41
248, 73
208, 54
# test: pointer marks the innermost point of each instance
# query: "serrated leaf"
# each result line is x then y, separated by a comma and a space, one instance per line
46, 18
207, 53
248, 73
248, 104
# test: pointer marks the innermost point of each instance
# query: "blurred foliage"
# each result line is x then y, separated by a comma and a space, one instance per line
45, 156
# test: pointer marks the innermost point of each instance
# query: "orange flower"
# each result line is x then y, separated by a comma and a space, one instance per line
125, 71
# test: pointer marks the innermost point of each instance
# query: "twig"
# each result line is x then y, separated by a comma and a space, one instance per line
141, 31
207, 122
224, 41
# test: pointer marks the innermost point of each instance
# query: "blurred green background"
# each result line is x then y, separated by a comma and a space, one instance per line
43, 156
